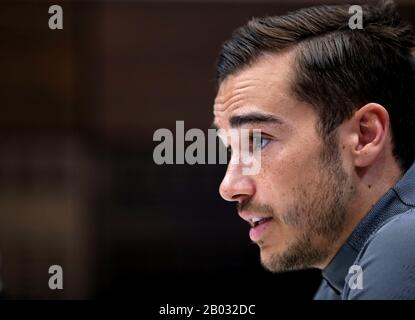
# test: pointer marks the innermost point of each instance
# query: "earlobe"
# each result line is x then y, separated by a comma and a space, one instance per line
372, 125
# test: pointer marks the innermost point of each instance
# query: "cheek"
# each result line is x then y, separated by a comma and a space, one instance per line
276, 183
285, 171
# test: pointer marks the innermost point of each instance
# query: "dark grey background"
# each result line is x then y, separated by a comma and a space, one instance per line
78, 186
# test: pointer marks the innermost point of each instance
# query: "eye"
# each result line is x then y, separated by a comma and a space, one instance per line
260, 142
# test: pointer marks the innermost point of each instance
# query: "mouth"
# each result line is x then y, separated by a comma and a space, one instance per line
258, 225
258, 228
254, 222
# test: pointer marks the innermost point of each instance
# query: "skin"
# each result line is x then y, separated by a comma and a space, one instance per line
315, 192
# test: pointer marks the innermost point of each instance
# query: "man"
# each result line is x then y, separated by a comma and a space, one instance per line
335, 106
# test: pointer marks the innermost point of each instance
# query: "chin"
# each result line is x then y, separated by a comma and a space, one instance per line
269, 259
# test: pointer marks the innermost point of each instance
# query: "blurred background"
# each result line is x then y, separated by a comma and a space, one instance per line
78, 185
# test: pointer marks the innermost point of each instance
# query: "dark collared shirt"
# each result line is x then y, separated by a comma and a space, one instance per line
380, 250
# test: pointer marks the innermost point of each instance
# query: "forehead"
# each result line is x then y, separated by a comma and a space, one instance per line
262, 86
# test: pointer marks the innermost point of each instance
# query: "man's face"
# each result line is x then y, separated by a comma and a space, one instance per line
301, 191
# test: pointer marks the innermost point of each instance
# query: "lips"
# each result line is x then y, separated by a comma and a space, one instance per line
258, 224
259, 229
257, 221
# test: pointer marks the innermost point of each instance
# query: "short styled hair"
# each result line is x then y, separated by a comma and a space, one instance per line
338, 69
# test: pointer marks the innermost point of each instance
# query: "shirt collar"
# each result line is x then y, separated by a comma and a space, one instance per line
395, 201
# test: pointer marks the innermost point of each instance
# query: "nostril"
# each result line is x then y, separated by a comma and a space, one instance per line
238, 197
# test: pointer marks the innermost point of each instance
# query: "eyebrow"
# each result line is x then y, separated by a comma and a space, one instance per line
253, 118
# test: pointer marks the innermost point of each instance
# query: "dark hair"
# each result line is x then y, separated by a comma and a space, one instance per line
337, 69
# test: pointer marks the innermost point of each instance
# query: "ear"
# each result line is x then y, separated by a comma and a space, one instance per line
371, 128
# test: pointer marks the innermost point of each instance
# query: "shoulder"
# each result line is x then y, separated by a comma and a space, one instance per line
387, 262
398, 232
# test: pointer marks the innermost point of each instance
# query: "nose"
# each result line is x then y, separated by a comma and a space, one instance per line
235, 186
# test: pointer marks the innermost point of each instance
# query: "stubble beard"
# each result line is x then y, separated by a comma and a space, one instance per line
319, 210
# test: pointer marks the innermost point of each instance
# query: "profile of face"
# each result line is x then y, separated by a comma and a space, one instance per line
297, 203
